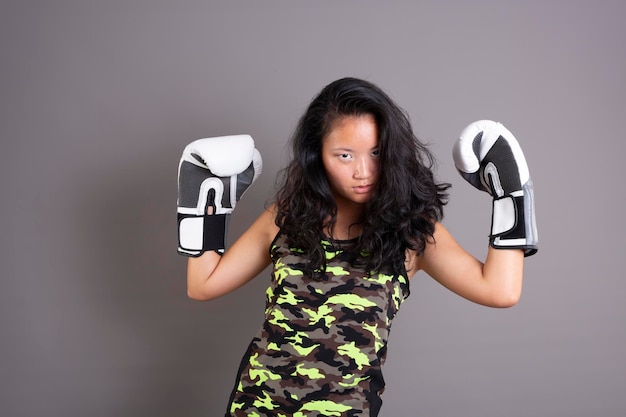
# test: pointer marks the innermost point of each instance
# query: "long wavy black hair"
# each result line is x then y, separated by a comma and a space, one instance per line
407, 201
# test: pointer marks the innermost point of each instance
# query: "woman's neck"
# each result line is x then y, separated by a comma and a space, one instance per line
349, 222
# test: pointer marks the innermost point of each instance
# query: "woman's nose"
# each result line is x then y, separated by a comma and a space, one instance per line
363, 169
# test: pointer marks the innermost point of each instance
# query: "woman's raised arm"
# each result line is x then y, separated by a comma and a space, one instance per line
495, 283
212, 275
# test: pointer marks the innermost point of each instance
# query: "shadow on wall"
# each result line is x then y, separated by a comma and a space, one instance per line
152, 351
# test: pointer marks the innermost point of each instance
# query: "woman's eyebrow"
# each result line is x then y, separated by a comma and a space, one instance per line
341, 148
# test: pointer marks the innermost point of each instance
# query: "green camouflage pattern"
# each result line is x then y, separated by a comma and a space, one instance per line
323, 341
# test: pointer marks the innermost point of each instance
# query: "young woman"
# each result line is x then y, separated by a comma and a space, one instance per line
357, 215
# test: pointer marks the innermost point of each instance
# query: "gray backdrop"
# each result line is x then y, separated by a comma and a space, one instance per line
99, 99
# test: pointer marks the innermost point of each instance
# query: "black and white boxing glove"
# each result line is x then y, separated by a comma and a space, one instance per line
489, 157
213, 174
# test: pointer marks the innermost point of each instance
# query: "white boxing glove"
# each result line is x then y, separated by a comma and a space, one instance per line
489, 157
213, 174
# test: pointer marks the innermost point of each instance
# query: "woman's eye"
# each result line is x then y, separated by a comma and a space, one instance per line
376, 152
344, 156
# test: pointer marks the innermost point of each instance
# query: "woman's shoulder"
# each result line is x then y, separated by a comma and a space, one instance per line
268, 219
264, 228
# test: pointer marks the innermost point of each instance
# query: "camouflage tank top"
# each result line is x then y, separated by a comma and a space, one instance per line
323, 341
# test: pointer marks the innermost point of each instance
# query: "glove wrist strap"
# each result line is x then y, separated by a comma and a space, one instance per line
513, 224
198, 234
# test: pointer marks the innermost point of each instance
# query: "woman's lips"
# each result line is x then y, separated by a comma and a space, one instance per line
363, 189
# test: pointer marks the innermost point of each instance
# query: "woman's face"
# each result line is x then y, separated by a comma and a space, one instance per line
350, 157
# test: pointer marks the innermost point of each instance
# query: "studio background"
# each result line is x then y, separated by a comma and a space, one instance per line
99, 99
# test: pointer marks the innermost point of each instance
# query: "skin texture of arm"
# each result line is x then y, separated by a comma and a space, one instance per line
495, 283
210, 275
